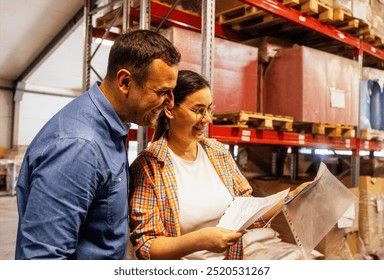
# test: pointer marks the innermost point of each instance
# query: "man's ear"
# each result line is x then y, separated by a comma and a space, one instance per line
168, 112
123, 80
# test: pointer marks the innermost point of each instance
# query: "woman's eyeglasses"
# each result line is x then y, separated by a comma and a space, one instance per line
200, 112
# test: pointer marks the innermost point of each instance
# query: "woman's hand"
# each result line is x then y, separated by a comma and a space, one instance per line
216, 239
213, 239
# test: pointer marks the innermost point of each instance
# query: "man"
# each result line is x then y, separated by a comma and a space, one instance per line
72, 186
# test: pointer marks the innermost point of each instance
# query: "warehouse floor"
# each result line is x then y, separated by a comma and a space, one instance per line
8, 226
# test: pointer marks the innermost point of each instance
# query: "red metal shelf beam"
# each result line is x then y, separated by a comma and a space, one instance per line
370, 145
298, 17
182, 19
132, 135
237, 135
187, 20
176, 18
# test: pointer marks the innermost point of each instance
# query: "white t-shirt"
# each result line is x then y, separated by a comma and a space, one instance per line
203, 198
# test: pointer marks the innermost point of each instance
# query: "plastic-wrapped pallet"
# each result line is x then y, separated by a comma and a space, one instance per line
373, 74
377, 17
376, 110
365, 105
373, 89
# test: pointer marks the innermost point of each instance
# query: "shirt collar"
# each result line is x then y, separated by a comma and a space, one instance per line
159, 150
107, 111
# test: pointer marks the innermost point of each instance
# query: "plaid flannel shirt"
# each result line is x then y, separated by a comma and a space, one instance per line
154, 208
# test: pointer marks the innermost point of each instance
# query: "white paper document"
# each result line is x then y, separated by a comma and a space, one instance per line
244, 211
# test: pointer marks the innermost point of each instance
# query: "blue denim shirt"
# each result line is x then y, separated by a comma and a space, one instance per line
72, 187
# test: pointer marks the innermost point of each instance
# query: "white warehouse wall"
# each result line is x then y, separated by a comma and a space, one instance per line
6, 107
34, 110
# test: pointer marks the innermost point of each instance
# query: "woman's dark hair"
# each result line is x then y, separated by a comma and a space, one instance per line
135, 50
188, 82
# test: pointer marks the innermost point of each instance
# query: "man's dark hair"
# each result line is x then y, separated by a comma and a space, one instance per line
135, 50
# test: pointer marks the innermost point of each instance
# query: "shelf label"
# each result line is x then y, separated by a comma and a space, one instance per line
303, 19
341, 35
246, 135
348, 143
366, 145
337, 98
301, 139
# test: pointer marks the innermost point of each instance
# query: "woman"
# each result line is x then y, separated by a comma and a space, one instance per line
182, 184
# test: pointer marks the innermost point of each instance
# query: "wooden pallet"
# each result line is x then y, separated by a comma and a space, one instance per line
372, 134
320, 9
344, 21
377, 42
328, 129
238, 14
374, 39
341, 15
254, 120
246, 17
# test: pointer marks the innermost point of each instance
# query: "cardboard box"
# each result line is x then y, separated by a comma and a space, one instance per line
235, 69
372, 167
334, 245
355, 226
371, 214
313, 86
3, 152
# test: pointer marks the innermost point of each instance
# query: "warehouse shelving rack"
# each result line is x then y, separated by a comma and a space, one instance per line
300, 140
234, 135
277, 8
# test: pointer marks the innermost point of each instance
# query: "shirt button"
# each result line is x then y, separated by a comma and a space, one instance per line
119, 179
